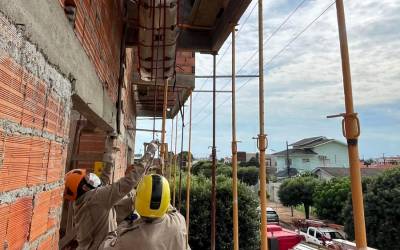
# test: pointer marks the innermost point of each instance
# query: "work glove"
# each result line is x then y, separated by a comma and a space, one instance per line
152, 147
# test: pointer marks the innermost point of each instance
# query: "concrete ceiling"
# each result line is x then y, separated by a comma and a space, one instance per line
204, 25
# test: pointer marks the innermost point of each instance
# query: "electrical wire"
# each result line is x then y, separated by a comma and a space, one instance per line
227, 48
256, 52
275, 56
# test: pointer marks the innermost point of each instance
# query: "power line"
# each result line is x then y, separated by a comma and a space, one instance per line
227, 48
275, 56
256, 52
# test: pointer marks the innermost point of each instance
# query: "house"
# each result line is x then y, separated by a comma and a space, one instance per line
327, 173
310, 153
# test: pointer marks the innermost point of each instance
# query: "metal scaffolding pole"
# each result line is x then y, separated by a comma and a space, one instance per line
214, 161
188, 173
181, 161
262, 145
234, 150
175, 163
351, 130
163, 149
170, 161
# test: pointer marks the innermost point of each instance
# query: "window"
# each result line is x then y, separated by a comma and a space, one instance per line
311, 232
306, 160
319, 235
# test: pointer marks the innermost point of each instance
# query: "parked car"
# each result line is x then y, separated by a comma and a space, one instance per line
272, 216
321, 236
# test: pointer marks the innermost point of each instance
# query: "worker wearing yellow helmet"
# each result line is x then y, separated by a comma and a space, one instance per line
160, 226
94, 213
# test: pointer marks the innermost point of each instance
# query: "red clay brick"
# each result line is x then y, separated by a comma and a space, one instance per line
40, 215
18, 223
4, 211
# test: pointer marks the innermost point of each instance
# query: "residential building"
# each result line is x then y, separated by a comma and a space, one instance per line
310, 153
246, 157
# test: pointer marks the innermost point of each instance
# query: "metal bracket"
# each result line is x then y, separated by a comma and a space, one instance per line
348, 119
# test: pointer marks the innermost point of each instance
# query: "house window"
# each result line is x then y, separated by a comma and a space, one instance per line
306, 160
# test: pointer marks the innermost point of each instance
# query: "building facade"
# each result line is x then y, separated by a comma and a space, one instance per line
310, 153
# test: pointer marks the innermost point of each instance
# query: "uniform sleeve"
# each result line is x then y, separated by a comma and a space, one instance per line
110, 195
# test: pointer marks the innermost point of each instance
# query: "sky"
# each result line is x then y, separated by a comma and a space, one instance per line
303, 81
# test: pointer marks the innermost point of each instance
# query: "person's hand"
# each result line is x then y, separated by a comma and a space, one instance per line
108, 157
152, 147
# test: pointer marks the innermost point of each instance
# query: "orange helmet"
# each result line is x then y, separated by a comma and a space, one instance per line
72, 180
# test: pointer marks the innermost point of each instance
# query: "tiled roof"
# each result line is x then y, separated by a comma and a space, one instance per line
296, 151
307, 141
344, 172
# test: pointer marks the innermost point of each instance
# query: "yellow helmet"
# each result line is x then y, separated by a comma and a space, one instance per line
152, 196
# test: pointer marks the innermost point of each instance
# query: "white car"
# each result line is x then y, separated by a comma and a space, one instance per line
321, 236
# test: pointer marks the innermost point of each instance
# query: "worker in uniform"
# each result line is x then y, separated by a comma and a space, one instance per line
160, 226
94, 212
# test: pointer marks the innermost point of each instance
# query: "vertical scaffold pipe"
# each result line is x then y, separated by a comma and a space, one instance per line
214, 162
188, 173
175, 163
171, 160
351, 132
234, 149
262, 146
164, 122
181, 161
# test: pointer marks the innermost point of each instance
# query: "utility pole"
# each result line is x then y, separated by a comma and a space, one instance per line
214, 162
287, 160
234, 150
351, 130
262, 142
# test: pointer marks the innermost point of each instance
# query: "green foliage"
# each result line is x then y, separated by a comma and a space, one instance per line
330, 198
199, 228
382, 210
253, 162
248, 175
299, 190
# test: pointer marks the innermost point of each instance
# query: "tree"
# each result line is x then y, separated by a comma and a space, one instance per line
199, 225
330, 198
297, 191
253, 162
382, 210
248, 175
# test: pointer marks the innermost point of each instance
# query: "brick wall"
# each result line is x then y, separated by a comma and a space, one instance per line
34, 113
185, 62
99, 27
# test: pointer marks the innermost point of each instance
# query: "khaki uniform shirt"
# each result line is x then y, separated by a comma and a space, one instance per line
167, 233
94, 215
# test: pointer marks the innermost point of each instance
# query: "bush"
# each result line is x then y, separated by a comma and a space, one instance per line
330, 198
200, 216
382, 211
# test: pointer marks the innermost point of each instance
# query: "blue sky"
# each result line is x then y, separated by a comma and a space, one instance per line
304, 84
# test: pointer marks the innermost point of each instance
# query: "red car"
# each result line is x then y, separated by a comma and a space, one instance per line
282, 239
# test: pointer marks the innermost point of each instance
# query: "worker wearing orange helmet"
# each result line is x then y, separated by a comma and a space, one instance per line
160, 226
94, 213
